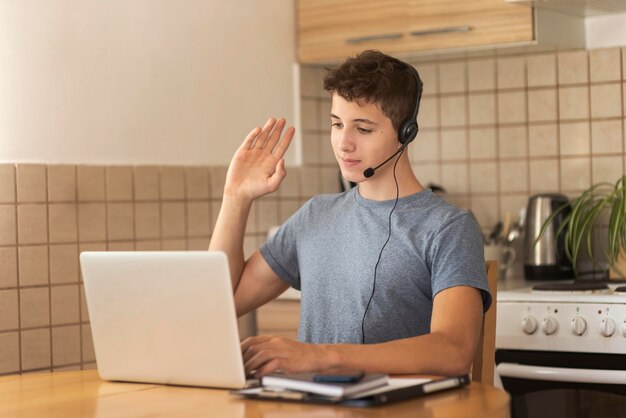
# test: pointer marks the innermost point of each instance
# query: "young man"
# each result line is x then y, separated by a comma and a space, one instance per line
392, 278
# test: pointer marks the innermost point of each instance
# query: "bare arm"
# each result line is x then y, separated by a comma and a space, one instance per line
257, 169
448, 350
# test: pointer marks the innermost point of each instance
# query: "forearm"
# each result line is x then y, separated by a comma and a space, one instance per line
229, 232
434, 354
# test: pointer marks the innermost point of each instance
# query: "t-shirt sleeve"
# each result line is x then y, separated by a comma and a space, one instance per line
457, 256
281, 250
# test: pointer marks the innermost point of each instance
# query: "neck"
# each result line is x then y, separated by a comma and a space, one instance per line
381, 186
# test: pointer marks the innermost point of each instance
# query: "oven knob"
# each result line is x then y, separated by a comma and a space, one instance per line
578, 325
529, 324
549, 325
607, 327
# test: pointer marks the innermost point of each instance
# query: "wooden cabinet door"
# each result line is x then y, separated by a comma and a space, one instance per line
334, 30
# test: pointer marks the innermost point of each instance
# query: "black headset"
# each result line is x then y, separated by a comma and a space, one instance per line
408, 129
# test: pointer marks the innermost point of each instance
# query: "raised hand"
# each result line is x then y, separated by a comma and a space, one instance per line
258, 166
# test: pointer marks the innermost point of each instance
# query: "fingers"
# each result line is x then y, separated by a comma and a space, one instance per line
279, 175
265, 133
274, 137
249, 141
282, 146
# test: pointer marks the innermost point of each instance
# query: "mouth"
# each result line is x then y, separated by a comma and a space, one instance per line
349, 162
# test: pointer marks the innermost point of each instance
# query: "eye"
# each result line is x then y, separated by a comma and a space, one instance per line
338, 125
364, 130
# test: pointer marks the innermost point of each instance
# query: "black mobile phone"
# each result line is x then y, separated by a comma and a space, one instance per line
352, 377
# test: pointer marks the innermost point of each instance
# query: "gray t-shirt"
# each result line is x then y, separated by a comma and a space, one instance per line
329, 247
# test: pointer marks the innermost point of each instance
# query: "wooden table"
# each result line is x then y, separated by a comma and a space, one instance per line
83, 394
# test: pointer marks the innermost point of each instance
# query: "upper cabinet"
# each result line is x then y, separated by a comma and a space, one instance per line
331, 30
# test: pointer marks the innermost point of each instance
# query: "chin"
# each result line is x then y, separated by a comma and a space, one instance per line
354, 177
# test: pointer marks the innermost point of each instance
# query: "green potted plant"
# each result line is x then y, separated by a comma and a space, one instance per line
578, 226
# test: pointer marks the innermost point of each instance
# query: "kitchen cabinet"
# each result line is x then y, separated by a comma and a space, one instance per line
279, 318
331, 30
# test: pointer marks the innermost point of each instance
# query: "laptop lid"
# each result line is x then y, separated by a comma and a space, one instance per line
163, 317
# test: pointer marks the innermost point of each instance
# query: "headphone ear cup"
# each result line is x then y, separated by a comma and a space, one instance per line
407, 132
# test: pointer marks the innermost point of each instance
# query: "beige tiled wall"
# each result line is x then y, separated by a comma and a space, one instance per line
50, 213
495, 130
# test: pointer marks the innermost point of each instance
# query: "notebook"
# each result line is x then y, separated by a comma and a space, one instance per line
163, 317
307, 382
396, 389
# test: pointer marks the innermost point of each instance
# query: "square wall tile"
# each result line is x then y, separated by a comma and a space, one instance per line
482, 108
330, 180
575, 174
511, 107
172, 183
542, 105
453, 144
66, 345
34, 307
309, 115
194, 244
151, 245
123, 246
573, 103
454, 177
120, 221
604, 64
63, 263
311, 80
197, 182
541, 70
543, 140
147, 220
65, 305
146, 182
574, 138
173, 220
8, 225
8, 267
267, 212
310, 181
91, 222
119, 183
8, 310
327, 153
62, 218
482, 74
61, 183
606, 168
484, 177
429, 75
33, 264
174, 244
514, 176
486, 210
323, 114
453, 111
31, 183
311, 153
425, 147
428, 115
84, 312
90, 182
544, 176
32, 225
607, 137
513, 203
483, 143
511, 72
36, 349
7, 183
198, 219
218, 178
286, 209
10, 353
572, 67
512, 141
606, 100
88, 353
452, 77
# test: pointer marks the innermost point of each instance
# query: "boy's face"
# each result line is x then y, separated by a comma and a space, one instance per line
362, 136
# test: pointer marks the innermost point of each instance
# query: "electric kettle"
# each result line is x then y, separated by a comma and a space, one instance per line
546, 259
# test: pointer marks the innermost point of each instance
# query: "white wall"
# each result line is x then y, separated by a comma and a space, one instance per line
141, 81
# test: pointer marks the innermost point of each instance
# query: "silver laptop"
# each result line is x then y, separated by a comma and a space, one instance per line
163, 317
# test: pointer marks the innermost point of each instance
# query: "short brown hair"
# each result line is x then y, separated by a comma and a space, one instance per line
373, 77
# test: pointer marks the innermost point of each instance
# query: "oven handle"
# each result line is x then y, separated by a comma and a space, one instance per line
558, 374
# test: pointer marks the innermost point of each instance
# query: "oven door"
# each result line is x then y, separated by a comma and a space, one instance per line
559, 384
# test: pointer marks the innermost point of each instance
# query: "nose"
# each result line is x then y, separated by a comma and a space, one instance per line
346, 142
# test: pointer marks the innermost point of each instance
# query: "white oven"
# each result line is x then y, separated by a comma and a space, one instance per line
561, 350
